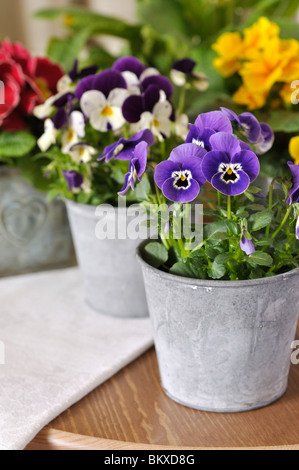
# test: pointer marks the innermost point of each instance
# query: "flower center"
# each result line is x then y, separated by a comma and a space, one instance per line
70, 135
182, 179
156, 123
230, 172
200, 143
106, 111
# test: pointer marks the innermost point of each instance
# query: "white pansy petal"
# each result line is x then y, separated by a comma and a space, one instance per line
44, 110
69, 138
117, 97
178, 77
77, 123
116, 120
98, 121
64, 85
130, 78
162, 109
91, 101
49, 136
164, 126
149, 72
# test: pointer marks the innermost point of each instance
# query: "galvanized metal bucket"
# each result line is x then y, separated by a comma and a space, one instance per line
111, 276
223, 346
34, 234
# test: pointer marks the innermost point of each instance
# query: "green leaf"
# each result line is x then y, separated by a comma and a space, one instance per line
210, 230
233, 227
284, 121
155, 254
182, 269
143, 189
217, 271
261, 259
261, 220
223, 258
16, 144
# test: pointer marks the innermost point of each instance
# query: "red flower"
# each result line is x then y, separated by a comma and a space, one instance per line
28, 81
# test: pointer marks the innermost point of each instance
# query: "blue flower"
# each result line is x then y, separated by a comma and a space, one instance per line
123, 149
137, 167
205, 126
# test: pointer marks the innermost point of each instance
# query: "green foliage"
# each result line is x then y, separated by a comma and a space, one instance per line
15, 144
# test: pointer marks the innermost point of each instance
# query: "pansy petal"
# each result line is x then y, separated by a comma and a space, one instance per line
129, 64
164, 171
132, 108
180, 195
185, 65
127, 185
117, 97
86, 84
60, 118
162, 109
77, 123
140, 157
251, 127
267, 139
231, 115
249, 162
161, 82
217, 121
107, 80
186, 151
247, 246
91, 101
231, 189
148, 72
211, 163
224, 142
194, 165
150, 98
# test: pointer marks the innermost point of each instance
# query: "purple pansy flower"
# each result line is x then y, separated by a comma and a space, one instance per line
294, 191
183, 71
137, 167
205, 126
260, 135
228, 167
124, 148
75, 74
105, 82
247, 246
74, 180
297, 228
180, 177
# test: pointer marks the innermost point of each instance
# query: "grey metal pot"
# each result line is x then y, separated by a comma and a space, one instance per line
34, 234
112, 277
223, 346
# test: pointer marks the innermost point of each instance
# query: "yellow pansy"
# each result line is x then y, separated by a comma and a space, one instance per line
294, 149
253, 100
290, 52
229, 47
256, 37
286, 93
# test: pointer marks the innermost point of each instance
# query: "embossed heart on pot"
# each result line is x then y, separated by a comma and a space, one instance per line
21, 221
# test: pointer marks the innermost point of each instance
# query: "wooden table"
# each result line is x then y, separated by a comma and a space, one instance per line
130, 411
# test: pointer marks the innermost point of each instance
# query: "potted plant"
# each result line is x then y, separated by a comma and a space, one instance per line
224, 306
34, 235
93, 127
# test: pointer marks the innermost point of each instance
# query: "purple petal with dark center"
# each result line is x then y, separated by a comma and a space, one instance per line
180, 195
60, 118
74, 180
215, 120
184, 151
161, 82
150, 98
294, 191
224, 142
251, 127
129, 64
247, 246
164, 171
249, 162
84, 85
184, 65
108, 80
133, 108
211, 163
231, 189
200, 137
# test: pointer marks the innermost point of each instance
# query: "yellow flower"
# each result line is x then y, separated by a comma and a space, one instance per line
257, 36
294, 149
229, 47
260, 75
245, 97
286, 93
290, 52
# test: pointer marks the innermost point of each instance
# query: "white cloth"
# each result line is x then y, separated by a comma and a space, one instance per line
57, 350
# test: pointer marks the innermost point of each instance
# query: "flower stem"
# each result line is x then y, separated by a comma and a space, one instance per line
282, 223
270, 206
229, 207
182, 101
219, 198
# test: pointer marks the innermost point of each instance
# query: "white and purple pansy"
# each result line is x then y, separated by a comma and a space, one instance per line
180, 177
101, 99
228, 167
124, 148
75, 131
137, 167
74, 180
206, 125
49, 136
82, 153
183, 73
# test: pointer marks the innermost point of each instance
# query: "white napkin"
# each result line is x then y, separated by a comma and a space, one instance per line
57, 350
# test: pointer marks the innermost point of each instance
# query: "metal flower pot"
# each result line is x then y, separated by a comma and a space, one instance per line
34, 234
223, 346
112, 278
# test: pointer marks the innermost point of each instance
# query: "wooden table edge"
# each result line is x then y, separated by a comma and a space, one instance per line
53, 439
